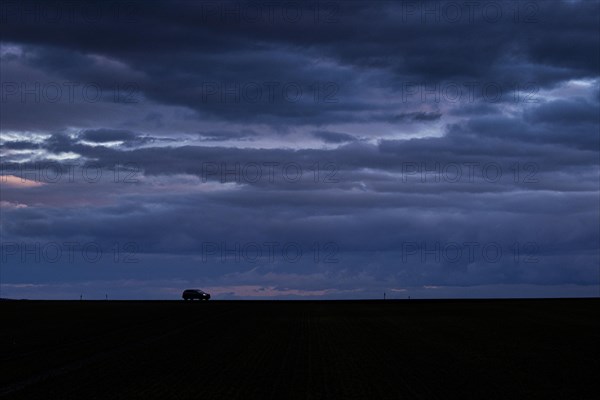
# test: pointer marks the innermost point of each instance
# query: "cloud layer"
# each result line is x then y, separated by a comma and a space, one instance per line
302, 149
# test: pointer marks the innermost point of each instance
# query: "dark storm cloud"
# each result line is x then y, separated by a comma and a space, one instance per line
218, 136
566, 113
492, 141
372, 227
414, 116
568, 122
129, 139
59, 143
19, 145
106, 135
196, 54
334, 137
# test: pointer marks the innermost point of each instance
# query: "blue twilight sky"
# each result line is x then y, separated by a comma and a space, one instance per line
299, 149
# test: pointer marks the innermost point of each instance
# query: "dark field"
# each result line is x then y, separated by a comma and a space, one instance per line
504, 349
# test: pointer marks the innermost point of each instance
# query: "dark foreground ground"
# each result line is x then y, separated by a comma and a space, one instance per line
504, 349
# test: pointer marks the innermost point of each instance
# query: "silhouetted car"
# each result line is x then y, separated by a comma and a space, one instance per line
191, 294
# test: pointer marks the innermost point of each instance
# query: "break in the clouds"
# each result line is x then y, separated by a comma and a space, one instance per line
300, 149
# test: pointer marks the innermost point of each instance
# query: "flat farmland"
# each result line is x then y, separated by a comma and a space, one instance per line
417, 349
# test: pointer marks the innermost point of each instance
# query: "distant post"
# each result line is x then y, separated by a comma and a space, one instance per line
384, 295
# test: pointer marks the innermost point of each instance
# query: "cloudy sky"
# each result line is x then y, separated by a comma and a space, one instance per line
314, 149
